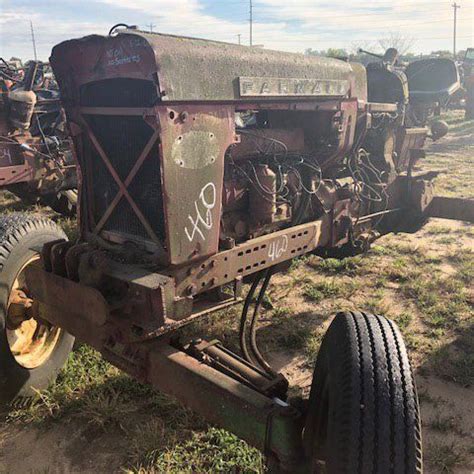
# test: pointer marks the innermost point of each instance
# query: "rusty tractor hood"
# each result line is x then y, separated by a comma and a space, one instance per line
190, 69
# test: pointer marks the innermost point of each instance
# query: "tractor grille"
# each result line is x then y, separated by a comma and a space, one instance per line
121, 92
123, 139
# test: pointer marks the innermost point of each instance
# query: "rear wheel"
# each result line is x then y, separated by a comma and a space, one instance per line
31, 350
363, 412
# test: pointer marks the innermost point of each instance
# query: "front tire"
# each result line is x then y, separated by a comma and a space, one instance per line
363, 412
31, 351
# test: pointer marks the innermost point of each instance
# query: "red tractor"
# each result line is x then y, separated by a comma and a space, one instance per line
204, 166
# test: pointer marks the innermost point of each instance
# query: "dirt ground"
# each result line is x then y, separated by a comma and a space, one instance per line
95, 419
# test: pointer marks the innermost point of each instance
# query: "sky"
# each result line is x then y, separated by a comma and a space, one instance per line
289, 25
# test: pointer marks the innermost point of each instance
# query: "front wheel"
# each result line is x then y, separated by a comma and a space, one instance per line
31, 350
363, 414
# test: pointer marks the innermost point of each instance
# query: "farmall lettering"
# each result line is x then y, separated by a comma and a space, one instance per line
284, 88
274, 87
202, 222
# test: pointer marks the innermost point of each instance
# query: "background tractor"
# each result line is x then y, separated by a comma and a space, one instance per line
36, 161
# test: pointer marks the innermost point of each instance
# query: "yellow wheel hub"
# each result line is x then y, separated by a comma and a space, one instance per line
31, 340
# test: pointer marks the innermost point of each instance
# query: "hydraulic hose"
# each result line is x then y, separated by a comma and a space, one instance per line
253, 327
243, 318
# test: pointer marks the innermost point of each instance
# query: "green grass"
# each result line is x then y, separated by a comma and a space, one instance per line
448, 240
328, 288
444, 424
88, 387
375, 303
290, 336
69, 226
403, 320
85, 370
438, 229
401, 269
445, 457
459, 125
441, 300
465, 271
453, 365
213, 450
350, 266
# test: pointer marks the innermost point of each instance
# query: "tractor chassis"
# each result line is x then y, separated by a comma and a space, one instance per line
270, 424
206, 377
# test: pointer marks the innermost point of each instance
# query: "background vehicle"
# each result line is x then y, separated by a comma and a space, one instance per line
36, 161
432, 83
468, 82
191, 186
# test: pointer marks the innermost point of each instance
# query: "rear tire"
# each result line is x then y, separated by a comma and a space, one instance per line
363, 412
21, 236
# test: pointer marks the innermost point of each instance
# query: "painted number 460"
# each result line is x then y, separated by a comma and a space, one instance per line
277, 248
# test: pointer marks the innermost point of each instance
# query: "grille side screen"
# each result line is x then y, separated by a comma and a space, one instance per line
123, 138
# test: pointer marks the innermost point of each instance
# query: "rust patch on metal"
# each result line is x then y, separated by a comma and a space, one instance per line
60, 292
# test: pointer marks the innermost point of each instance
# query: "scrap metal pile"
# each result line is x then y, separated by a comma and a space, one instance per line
36, 161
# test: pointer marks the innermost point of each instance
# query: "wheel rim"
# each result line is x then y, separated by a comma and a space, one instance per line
31, 340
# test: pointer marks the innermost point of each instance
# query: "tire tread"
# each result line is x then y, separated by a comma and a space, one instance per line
378, 428
18, 233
